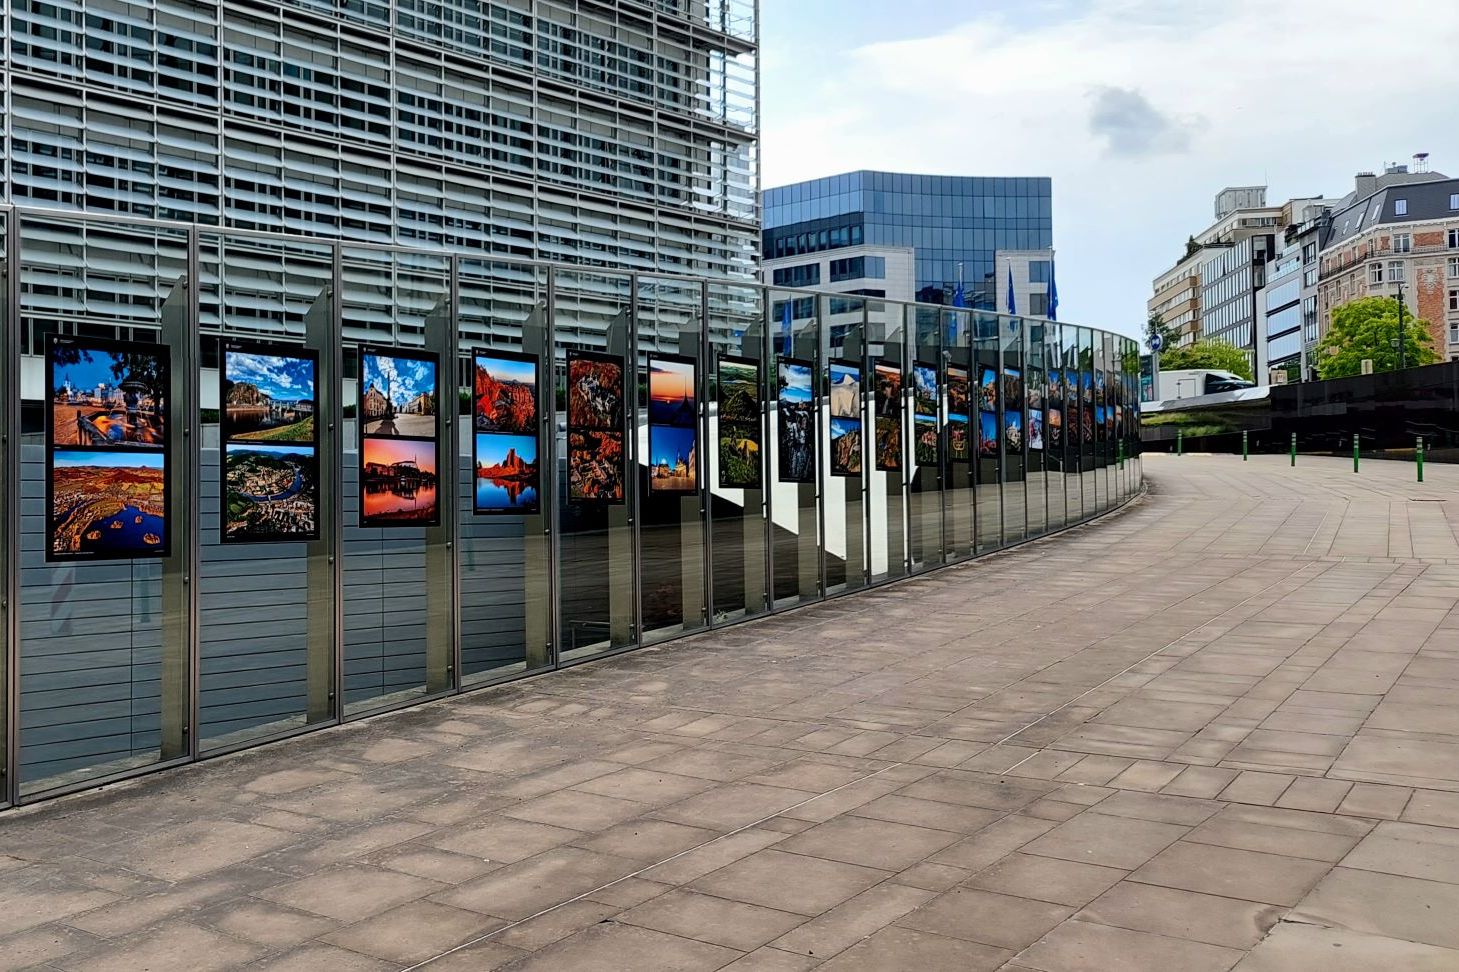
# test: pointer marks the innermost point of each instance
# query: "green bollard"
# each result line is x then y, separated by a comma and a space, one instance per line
1419, 456
1179, 443
1294, 450
1355, 452
1244, 451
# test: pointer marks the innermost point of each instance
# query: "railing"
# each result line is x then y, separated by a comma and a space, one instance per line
156, 613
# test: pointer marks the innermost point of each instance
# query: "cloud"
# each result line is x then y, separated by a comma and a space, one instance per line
1139, 110
1131, 126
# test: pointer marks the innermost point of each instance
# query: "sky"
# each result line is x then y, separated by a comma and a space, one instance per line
399, 377
281, 378
1139, 110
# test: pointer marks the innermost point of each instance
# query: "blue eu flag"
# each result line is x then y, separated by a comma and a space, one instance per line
1012, 303
1053, 291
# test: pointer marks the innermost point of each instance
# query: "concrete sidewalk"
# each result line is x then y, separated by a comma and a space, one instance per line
1218, 731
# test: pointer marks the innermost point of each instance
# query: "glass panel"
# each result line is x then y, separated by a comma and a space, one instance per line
1034, 431
1089, 439
843, 460
736, 469
960, 434
926, 439
669, 433
9, 479
269, 394
988, 464
597, 569
102, 616
1056, 426
1015, 431
504, 449
887, 464
794, 504
397, 574
1073, 426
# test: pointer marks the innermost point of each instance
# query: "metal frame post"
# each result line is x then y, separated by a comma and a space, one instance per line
10, 331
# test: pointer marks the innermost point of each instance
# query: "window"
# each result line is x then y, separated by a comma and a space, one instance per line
1402, 242
1454, 202
1454, 300
1375, 273
1454, 332
1395, 271
1454, 268
1039, 271
802, 275
1038, 305
1454, 239
1400, 207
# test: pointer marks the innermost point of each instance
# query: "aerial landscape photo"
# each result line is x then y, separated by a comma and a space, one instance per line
105, 396
739, 391
594, 392
739, 455
924, 440
507, 473
397, 396
595, 466
108, 504
268, 397
271, 492
504, 394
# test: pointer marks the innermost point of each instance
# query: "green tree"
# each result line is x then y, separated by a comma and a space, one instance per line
1155, 324
1368, 328
1216, 355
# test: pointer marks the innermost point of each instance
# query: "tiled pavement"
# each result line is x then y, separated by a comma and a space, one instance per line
1217, 731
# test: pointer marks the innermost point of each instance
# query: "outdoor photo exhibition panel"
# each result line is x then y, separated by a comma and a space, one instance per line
289, 570
988, 432
924, 541
597, 578
842, 449
736, 471
670, 466
958, 434
794, 497
1015, 432
507, 457
269, 490
886, 492
398, 563
106, 529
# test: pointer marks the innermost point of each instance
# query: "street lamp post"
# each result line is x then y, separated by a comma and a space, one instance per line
1401, 342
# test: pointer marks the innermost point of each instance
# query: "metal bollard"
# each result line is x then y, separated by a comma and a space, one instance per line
1419, 457
1244, 450
1294, 450
1355, 452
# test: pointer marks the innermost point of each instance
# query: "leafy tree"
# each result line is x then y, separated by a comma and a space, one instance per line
1216, 355
1368, 328
1154, 325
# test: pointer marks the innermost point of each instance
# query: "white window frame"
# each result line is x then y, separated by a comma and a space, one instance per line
1402, 242
1400, 207
1454, 268
1375, 273
1397, 272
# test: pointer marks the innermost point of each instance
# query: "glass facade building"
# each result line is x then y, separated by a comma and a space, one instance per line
617, 133
947, 220
820, 444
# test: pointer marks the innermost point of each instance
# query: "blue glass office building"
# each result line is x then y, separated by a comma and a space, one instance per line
947, 219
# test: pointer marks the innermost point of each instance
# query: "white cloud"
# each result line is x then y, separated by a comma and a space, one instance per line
1140, 111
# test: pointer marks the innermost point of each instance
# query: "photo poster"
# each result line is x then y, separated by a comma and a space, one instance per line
1086, 425
270, 443
107, 420
1034, 390
1056, 388
505, 433
1086, 387
887, 407
597, 459
399, 418
988, 389
1119, 421
795, 406
1099, 419
925, 433
846, 419
1013, 432
988, 435
959, 400
1012, 389
673, 424
739, 423
1054, 429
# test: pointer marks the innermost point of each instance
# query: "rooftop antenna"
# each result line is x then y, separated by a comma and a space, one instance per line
1420, 161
